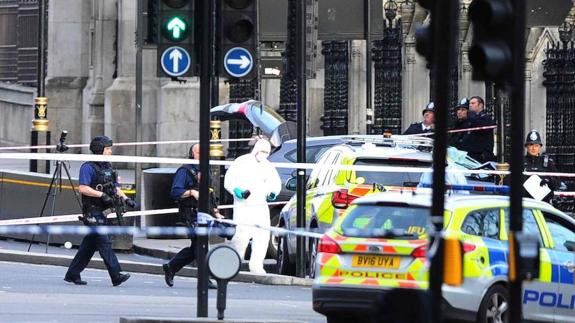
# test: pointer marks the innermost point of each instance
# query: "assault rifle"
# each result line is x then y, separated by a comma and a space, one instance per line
118, 206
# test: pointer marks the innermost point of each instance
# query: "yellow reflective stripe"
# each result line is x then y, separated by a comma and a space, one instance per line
545, 267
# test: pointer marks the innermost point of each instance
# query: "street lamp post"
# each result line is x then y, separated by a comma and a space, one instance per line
40, 123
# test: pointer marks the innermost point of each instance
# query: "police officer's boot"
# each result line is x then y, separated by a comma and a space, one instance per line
168, 275
120, 279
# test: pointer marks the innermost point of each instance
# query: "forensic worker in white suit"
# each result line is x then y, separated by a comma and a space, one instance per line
253, 181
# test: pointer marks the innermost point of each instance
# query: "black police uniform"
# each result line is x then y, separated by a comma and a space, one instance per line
460, 140
185, 179
478, 143
416, 128
541, 164
95, 175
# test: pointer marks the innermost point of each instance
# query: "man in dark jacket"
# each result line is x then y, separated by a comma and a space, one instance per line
479, 143
536, 162
426, 125
185, 191
460, 139
93, 177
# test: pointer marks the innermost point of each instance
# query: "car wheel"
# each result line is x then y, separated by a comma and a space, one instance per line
284, 266
494, 307
312, 252
274, 240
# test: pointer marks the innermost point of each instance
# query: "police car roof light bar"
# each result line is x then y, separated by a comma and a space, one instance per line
499, 189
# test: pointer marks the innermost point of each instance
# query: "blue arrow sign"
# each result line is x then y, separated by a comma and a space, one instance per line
238, 62
175, 61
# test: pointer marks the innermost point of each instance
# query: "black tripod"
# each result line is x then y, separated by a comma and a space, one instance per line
54, 189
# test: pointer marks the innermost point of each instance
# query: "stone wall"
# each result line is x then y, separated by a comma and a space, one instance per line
17, 111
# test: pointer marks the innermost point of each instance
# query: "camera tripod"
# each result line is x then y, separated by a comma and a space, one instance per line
56, 186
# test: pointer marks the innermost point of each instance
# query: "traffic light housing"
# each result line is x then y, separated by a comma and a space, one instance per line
175, 27
491, 52
424, 33
238, 38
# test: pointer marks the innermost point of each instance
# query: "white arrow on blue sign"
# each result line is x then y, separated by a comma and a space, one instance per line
175, 61
238, 62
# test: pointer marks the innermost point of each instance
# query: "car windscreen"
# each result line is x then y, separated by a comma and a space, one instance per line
385, 221
392, 178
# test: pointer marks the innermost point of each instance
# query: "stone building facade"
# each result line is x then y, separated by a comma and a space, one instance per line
91, 78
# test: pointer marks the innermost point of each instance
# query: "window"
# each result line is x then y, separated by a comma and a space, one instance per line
312, 154
391, 221
562, 235
391, 178
483, 223
529, 223
322, 167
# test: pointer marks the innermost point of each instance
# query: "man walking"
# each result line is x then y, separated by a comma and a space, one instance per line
94, 176
185, 192
253, 181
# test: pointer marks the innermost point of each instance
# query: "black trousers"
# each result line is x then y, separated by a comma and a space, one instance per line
89, 245
184, 257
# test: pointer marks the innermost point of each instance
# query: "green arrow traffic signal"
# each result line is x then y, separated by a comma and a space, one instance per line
175, 28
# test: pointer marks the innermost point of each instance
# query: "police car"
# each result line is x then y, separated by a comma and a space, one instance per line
379, 244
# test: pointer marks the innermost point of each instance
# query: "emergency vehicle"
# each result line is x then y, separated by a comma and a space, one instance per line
379, 244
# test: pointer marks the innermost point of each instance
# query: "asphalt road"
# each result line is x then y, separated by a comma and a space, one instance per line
37, 293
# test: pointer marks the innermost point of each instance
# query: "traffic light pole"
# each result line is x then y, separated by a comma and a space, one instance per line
517, 129
301, 134
445, 20
206, 73
138, 112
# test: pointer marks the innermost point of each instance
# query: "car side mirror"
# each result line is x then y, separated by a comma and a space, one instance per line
570, 245
291, 184
360, 180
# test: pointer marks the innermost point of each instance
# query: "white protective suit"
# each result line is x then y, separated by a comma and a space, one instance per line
255, 173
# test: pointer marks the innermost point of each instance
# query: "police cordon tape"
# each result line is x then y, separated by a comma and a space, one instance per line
311, 166
426, 134
74, 217
152, 230
122, 144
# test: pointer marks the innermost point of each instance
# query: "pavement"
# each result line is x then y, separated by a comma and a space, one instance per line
148, 254
148, 257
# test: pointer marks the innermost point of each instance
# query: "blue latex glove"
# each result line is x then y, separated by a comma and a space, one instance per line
272, 197
241, 194
238, 192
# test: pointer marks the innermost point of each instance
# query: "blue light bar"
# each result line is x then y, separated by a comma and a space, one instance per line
502, 189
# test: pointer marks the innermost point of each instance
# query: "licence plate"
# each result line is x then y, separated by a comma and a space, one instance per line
375, 261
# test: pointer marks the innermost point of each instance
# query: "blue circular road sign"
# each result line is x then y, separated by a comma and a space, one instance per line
238, 62
175, 61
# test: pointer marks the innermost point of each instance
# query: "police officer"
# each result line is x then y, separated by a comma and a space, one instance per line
93, 177
480, 142
537, 162
460, 139
426, 125
185, 192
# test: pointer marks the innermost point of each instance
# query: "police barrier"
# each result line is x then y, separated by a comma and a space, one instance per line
311, 166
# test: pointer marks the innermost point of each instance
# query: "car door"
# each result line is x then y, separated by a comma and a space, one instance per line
533, 308
562, 254
314, 192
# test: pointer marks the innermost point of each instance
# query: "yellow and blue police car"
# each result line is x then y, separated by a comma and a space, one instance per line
379, 245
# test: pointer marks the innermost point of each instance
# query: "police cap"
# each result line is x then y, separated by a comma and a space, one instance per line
429, 107
98, 144
533, 138
462, 104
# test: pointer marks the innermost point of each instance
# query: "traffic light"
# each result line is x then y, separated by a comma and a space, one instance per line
238, 37
424, 33
491, 52
175, 29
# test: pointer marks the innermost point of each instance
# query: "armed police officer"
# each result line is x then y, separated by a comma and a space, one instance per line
535, 161
185, 192
94, 176
426, 125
